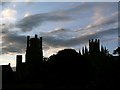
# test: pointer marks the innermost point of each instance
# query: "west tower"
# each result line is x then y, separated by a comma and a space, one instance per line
34, 53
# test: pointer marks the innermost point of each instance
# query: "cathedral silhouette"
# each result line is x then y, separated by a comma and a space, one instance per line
93, 68
33, 58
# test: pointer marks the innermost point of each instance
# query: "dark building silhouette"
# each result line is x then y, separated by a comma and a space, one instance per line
7, 73
33, 60
94, 46
18, 62
8, 76
94, 68
34, 53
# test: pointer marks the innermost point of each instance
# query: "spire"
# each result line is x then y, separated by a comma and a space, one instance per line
86, 50
106, 51
83, 51
40, 42
98, 42
28, 38
79, 52
102, 49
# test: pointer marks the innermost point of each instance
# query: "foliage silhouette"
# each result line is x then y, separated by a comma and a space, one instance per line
117, 51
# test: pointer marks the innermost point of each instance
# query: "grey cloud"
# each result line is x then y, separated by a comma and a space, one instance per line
30, 22
108, 32
68, 42
33, 21
107, 21
101, 23
87, 6
60, 33
75, 9
3, 3
5, 28
13, 43
57, 31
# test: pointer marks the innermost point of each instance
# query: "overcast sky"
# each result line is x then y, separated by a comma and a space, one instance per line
61, 24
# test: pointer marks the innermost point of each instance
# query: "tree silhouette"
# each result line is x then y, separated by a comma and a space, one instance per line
117, 51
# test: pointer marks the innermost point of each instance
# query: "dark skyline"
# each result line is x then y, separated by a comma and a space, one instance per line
94, 67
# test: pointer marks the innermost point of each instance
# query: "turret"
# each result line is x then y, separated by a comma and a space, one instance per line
18, 62
86, 50
83, 51
79, 52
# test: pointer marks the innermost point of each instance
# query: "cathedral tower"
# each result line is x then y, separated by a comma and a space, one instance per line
34, 53
94, 46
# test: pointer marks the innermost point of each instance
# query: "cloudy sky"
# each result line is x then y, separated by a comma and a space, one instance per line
61, 24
